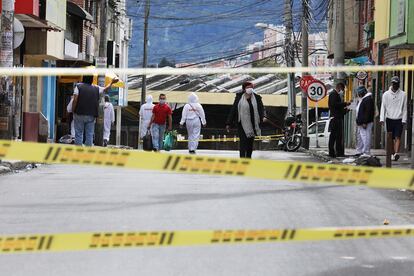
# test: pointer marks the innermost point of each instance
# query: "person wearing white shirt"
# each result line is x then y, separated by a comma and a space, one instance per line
109, 119
145, 113
193, 116
394, 113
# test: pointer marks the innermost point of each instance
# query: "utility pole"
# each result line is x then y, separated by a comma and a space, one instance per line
102, 63
290, 62
339, 51
7, 96
144, 60
305, 61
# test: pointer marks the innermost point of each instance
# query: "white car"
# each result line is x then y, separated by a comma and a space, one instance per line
323, 134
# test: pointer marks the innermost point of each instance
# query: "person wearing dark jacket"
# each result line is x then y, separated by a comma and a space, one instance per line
248, 111
337, 108
365, 112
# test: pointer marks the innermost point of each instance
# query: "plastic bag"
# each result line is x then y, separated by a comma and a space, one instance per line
169, 140
147, 142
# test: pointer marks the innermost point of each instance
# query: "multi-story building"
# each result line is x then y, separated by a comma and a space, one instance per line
273, 40
256, 51
394, 44
63, 33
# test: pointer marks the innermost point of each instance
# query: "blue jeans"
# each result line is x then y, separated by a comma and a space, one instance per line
157, 133
84, 124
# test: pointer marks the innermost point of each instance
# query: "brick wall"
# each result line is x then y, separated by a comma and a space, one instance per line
80, 3
88, 28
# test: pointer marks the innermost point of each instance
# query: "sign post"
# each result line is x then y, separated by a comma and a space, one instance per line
316, 91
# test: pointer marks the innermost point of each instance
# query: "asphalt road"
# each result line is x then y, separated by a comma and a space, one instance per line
75, 199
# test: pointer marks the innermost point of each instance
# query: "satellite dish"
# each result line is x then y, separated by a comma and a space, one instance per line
18, 30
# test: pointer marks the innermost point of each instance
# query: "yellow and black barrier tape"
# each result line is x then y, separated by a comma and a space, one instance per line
42, 243
309, 173
274, 137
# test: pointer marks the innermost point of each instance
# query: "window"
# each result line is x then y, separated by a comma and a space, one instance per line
91, 8
321, 128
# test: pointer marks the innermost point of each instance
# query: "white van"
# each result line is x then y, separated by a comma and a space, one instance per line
323, 134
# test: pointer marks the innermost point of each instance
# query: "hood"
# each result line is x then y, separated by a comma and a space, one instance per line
193, 98
148, 99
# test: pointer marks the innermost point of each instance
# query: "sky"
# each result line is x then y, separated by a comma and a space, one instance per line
193, 30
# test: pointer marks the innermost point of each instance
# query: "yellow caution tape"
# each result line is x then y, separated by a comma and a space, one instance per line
65, 71
38, 243
312, 173
236, 139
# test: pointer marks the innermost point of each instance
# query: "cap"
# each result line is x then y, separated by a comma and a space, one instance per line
395, 79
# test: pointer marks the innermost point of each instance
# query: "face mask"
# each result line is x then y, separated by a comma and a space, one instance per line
249, 91
162, 101
395, 88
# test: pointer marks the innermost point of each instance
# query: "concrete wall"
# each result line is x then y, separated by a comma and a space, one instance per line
351, 27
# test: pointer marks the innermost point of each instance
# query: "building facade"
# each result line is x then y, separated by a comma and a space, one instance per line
62, 33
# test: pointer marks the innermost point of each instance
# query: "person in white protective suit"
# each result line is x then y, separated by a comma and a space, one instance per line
193, 116
109, 119
69, 109
145, 113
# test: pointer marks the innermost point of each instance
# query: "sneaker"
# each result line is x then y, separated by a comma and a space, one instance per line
396, 157
192, 151
392, 157
357, 154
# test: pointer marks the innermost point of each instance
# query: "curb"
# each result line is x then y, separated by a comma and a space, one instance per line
318, 155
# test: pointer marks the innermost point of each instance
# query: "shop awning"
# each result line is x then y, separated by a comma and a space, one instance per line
209, 98
74, 9
108, 78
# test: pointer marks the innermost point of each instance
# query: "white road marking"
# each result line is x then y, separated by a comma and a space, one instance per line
348, 258
399, 258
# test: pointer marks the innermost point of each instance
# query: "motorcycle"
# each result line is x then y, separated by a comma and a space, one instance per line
292, 139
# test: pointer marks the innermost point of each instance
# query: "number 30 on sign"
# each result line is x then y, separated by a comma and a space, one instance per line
316, 91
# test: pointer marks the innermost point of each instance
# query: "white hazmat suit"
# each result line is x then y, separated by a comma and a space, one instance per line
69, 109
145, 113
192, 114
109, 119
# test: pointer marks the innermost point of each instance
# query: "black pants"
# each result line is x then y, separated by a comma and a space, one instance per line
246, 144
336, 138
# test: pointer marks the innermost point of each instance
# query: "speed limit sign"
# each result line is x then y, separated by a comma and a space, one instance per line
316, 91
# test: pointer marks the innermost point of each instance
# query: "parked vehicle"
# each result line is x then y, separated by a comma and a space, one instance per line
292, 139
323, 133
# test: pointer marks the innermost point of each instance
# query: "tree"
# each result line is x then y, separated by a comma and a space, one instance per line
266, 62
166, 63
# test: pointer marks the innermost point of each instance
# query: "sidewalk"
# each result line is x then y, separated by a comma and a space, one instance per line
322, 153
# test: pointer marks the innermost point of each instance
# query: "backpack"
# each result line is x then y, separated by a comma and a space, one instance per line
370, 161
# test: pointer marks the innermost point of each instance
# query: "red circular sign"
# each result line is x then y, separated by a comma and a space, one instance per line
305, 81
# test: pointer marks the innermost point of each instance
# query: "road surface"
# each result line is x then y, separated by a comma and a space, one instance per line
60, 198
